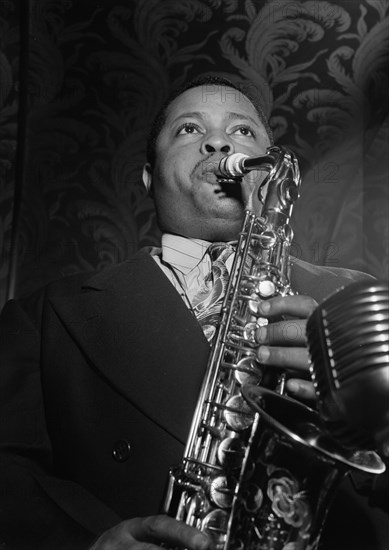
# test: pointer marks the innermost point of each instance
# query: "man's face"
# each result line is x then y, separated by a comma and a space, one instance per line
203, 125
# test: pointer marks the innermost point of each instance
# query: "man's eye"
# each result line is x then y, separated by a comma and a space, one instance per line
244, 131
188, 128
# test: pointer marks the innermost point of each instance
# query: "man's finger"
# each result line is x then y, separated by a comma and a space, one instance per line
289, 333
295, 306
168, 530
300, 389
285, 357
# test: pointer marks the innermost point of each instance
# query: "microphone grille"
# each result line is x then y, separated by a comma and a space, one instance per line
348, 341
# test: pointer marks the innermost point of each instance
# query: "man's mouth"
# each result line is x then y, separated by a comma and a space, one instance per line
229, 187
226, 181
211, 173
208, 171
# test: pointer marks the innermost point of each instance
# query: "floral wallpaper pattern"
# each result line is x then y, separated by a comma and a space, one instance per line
93, 75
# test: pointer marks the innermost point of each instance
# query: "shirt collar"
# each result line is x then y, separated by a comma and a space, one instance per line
183, 253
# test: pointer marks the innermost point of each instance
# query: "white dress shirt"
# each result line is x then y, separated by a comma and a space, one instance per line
185, 262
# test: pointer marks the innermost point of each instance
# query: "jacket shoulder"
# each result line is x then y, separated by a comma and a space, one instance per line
69, 285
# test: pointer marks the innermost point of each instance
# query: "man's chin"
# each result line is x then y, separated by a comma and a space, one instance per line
229, 209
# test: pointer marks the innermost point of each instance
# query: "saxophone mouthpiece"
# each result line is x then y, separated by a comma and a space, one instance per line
238, 164
233, 166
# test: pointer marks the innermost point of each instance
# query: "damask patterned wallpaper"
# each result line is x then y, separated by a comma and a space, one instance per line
81, 82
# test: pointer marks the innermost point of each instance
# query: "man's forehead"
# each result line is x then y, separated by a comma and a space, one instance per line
202, 99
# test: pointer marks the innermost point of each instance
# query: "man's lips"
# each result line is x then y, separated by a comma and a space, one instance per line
208, 170
223, 188
225, 181
218, 180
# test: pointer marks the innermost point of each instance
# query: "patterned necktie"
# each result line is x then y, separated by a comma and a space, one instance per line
207, 300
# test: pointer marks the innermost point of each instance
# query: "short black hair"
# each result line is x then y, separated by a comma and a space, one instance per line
210, 80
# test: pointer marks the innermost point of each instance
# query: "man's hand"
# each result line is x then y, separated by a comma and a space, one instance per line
148, 533
283, 343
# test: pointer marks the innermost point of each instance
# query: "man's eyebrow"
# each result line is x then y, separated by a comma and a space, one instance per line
241, 116
230, 115
191, 114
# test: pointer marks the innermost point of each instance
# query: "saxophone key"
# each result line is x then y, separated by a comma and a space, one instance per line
231, 452
268, 239
266, 288
248, 371
249, 331
253, 305
221, 491
238, 414
215, 525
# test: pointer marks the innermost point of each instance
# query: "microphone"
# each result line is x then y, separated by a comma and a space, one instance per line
238, 164
348, 342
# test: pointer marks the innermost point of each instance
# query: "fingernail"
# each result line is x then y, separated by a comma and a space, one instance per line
293, 386
201, 542
264, 307
261, 334
263, 354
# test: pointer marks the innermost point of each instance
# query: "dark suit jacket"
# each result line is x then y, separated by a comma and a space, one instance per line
99, 380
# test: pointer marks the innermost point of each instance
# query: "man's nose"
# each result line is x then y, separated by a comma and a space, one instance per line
215, 142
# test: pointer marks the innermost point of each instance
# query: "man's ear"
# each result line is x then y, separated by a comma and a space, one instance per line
147, 178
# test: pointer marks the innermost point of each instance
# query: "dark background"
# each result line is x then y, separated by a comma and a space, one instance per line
82, 80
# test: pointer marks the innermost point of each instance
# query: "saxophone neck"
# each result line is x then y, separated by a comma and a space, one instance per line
272, 196
282, 186
275, 194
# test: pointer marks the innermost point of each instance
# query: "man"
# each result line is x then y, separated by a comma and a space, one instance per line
100, 373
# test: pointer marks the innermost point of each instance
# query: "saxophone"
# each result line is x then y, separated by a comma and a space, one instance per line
257, 471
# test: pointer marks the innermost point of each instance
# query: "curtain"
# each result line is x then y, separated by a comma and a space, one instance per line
82, 81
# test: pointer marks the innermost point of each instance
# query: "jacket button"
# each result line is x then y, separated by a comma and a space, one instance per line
121, 450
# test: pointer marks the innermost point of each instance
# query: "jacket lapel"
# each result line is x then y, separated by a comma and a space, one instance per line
135, 329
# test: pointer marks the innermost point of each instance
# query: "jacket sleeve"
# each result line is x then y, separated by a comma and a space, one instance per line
37, 509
